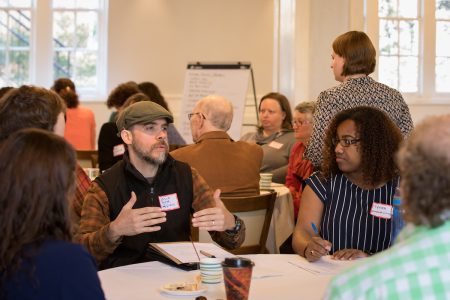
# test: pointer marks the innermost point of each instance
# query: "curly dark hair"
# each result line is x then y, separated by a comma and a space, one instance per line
152, 91
121, 93
66, 89
424, 162
37, 179
357, 50
285, 106
379, 137
29, 107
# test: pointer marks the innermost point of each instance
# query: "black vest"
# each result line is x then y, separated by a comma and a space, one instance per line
173, 177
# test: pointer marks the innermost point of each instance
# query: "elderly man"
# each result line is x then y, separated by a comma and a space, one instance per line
149, 196
233, 167
416, 267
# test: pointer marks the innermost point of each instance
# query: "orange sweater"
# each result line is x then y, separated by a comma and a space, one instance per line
80, 128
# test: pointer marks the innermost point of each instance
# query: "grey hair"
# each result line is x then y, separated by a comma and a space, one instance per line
306, 107
217, 110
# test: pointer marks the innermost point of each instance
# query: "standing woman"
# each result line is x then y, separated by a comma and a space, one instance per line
80, 121
298, 168
350, 200
275, 135
37, 259
353, 58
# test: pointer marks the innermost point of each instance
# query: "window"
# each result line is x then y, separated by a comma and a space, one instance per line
71, 32
412, 46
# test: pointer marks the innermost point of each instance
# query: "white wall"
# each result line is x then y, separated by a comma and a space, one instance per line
154, 40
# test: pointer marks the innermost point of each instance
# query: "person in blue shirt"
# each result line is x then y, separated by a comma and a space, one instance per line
37, 259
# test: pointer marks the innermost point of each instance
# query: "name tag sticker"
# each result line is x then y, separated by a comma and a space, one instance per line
169, 202
118, 150
275, 145
381, 210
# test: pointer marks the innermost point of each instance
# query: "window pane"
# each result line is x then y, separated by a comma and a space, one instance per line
442, 9
20, 3
19, 28
19, 66
89, 4
86, 69
442, 38
442, 74
86, 30
3, 29
387, 70
63, 3
63, 29
408, 74
409, 39
3, 3
387, 8
388, 37
407, 8
62, 64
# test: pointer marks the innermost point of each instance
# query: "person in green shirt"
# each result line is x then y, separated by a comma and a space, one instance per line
416, 267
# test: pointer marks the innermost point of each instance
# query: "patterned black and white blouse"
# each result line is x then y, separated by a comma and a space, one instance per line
355, 92
354, 218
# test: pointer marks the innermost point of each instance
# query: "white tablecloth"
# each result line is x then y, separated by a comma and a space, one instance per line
274, 277
281, 226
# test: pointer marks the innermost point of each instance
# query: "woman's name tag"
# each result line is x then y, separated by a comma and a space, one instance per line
381, 210
275, 145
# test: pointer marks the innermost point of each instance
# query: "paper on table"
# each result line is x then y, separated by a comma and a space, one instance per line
185, 252
325, 265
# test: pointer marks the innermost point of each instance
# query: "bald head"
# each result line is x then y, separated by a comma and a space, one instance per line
217, 110
424, 161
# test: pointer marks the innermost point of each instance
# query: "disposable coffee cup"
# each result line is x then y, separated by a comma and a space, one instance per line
237, 275
265, 180
210, 270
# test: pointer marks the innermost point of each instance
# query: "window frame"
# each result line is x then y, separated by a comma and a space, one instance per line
426, 93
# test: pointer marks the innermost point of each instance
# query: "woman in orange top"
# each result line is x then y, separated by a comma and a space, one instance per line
80, 121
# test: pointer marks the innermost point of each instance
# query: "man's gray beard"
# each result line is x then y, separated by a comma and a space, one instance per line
149, 159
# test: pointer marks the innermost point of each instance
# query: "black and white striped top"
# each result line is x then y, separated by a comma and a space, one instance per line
346, 221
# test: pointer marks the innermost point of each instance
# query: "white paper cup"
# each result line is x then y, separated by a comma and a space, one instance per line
211, 270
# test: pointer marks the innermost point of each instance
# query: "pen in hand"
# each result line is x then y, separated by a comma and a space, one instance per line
207, 254
316, 231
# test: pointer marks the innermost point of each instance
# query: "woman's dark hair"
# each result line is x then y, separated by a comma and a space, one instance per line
4, 90
29, 107
152, 91
135, 98
424, 161
285, 107
379, 138
121, 93
66, 89
36, 181
357, 50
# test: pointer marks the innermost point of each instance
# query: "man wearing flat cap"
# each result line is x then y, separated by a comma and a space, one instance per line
149, 196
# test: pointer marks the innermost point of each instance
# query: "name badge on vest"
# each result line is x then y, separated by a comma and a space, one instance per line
275, 145
118, 150
169, 202
381, 210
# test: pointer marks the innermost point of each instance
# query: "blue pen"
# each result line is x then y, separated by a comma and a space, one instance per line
314, 228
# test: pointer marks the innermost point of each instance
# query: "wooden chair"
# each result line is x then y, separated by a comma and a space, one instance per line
87, 158
256, 211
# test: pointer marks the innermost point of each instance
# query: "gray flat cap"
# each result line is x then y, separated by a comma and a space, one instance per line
142, 112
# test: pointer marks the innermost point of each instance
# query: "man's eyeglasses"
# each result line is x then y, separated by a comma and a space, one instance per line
197, 113
345, 142
300, 123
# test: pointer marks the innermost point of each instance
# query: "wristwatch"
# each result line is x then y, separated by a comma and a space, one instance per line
237, 226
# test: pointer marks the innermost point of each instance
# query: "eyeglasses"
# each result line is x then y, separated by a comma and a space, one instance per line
345, 142
301, 123
197, 113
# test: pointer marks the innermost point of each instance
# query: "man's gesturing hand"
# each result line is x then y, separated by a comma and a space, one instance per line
134, 221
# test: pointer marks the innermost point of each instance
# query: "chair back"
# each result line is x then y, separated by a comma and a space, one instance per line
256, 211
87, 158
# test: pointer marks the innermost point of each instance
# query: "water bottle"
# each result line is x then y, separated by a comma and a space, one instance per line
397, 215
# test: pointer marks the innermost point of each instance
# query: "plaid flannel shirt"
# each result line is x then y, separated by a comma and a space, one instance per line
82, 183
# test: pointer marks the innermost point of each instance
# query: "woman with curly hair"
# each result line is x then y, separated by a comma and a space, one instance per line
37, 259
350, 201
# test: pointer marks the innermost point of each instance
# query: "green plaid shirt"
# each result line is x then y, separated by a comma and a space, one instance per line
416, 267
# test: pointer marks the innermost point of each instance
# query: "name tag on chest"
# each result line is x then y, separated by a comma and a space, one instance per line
380, 210
275, 145
169, 202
